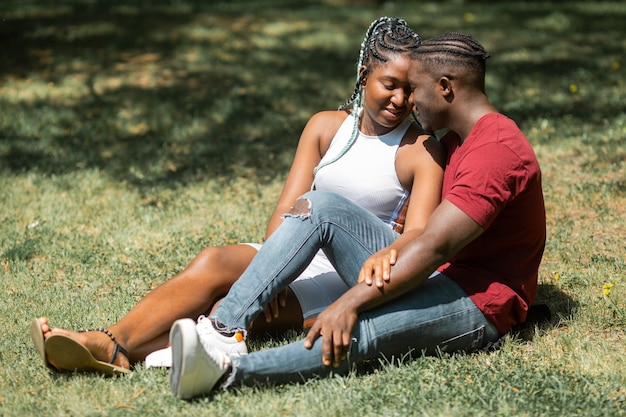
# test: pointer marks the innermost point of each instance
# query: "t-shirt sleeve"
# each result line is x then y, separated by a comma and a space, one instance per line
485, 182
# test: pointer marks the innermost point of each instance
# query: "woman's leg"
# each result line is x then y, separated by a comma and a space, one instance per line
289, 318
346, 232
188, 294
314, 290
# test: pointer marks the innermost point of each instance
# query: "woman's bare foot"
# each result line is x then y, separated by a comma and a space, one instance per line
98, 343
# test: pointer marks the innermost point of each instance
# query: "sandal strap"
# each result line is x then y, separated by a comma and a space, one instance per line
117, 347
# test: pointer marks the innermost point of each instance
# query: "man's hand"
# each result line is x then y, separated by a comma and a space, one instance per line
335, 325
377, 268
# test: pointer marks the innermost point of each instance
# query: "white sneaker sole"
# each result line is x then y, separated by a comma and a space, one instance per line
194, 372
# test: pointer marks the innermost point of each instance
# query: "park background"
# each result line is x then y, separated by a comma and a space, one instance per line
133, 134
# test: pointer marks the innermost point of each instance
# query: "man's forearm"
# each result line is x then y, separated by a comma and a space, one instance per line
414, 265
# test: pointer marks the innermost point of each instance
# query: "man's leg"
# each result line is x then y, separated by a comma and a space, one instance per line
437, 316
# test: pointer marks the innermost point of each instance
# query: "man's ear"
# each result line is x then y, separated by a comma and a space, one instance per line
445, 84
447, 90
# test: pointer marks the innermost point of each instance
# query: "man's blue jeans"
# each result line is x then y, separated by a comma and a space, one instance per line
437, 315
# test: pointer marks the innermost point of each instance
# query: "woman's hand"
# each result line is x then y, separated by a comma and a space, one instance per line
377, 268
272, 310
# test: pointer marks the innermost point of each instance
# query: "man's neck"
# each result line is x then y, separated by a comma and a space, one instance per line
470, 115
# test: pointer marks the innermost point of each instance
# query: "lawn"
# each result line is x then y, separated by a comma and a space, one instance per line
133, 134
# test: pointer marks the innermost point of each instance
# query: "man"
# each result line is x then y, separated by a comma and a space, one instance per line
485, 240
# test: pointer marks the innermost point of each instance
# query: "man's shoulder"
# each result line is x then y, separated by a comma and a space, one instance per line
496, 127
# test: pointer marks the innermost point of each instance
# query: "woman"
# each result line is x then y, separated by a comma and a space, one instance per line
372, 154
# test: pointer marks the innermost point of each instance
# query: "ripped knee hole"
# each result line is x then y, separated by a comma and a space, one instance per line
301, 209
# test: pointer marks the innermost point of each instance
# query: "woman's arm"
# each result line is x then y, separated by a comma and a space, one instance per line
419, 164
314, 142
423, 162
312, 146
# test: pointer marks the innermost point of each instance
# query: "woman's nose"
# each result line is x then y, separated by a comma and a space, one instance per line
400, 97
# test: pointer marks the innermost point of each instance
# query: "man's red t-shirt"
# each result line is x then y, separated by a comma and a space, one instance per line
494, 178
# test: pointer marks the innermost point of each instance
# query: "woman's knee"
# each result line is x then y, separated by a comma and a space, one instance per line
209, 257
228, 262
319, 202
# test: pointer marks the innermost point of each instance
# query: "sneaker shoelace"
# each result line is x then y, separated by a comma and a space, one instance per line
204, 325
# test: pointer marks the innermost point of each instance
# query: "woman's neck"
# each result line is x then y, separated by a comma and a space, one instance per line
370, 127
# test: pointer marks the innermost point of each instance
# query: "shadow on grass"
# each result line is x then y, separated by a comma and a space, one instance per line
552, 306
176, 92
162, 95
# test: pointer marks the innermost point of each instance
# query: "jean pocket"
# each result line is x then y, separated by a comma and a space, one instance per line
466, 342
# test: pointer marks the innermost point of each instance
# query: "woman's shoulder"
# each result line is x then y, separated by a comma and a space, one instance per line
415, 135
321, 129
424, 143
325, 124
335, 117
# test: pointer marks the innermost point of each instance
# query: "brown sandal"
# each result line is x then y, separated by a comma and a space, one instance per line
66, 354
37, 337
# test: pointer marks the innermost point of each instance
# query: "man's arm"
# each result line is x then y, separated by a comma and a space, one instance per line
448, 230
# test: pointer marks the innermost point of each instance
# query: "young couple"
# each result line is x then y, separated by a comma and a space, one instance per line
461, 274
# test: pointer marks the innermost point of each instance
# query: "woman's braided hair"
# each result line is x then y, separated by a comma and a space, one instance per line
385, 38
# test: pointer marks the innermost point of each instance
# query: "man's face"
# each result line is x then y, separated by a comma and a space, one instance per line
424, 96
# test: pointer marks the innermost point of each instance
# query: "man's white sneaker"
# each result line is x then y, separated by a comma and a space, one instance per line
234, 345
161, 358
196, 367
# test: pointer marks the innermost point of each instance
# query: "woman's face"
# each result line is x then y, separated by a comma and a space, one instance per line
386, 96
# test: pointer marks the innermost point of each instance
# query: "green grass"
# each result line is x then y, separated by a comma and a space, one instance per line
132, 136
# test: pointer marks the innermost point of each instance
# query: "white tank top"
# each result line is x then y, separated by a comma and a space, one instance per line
366, 174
